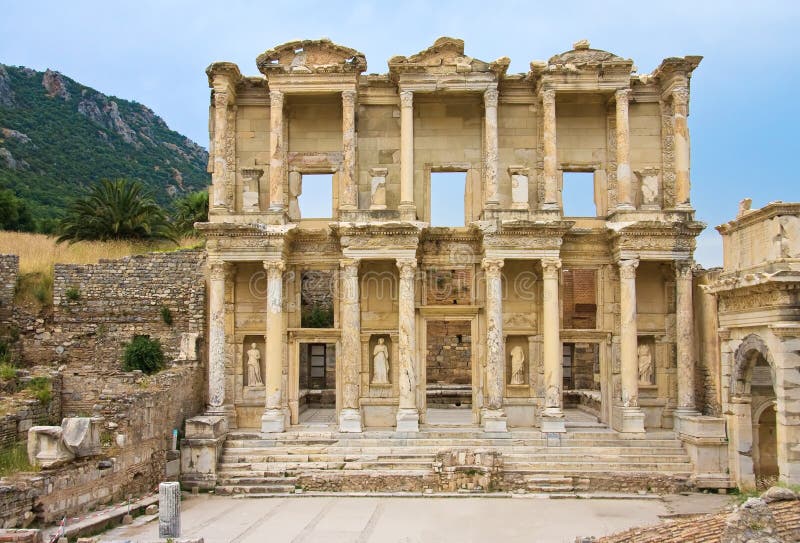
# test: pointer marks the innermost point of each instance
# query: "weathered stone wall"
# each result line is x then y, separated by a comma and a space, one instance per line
21, 412
9, 269
100, 307
140, 413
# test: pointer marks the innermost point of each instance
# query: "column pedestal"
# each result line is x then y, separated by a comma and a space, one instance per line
407, 420
273, 421
350, 421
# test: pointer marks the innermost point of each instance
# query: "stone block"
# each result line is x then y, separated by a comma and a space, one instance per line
206, 426
46, 448
200, 450
81, 435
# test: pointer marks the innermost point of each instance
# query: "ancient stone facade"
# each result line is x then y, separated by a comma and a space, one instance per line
501, 276
758, 299
9, 269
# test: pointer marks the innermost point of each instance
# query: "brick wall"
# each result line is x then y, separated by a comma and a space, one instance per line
9, 269
580, 298
448, 287
448, 360
22, 412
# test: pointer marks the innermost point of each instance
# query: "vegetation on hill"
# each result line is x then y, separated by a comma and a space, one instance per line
58, 137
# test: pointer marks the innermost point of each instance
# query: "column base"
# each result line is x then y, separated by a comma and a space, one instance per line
494, 420
628, 420
273, 421
624, 207
407, 420
408, 211
549, 206
350, 421
553, 421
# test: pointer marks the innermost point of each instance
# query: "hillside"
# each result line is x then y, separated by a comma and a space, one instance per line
57, 136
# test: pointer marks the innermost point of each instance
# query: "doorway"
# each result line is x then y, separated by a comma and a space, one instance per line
766, 465
448, 372
317, 394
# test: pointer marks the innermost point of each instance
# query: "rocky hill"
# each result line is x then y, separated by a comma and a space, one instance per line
58, 136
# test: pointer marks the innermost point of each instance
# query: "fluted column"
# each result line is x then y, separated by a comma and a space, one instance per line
550, 150
216, 336
276, 151
490, 129
273, 419
624, 184
348, 175
407, 414
219, 175
684, 319
494, 419
553, 415
407, 208
680, 105
631, 418
350, 312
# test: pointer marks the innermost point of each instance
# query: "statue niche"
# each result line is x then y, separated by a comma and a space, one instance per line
647, 375
252, 363
380, 362
517, 363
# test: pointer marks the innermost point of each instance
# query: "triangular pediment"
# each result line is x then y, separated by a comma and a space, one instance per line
311, 57
446, 56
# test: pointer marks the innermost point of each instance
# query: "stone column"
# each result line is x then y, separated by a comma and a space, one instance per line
494, 419
273, 419
350, 312
680, 105
407, 414
276, 151
550, 150
684, 323
216, 337
349, 192
553, 415
219, 175
169, 510
624, 184
490, 128
631, 417
407, 207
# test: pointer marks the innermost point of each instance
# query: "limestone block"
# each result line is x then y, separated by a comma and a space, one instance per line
188, 346
81, 435
208, 427
46, 447
200, 450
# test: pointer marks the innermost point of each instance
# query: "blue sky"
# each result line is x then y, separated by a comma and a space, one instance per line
744, 108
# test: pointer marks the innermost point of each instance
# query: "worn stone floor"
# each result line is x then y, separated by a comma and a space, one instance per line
412, 520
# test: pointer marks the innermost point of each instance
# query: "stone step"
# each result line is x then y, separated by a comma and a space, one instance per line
581, 467
303, 448
253, 478
233, 489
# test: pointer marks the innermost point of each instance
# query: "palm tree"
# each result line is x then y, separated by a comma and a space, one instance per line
115, 210
190, 209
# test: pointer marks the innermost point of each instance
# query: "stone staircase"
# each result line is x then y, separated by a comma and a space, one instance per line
457, 459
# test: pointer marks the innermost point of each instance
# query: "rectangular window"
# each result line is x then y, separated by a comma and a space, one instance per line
447, 198
577, 194
579, 298
567, 352
316, 198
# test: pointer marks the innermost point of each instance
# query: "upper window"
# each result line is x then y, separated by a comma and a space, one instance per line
447, 198
577, 194
316, 199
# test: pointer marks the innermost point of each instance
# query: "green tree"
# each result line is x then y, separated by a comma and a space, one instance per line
14, 213
190, 209
115, 210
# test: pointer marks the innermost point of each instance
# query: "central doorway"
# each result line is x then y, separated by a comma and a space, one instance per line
317, 394
448, 372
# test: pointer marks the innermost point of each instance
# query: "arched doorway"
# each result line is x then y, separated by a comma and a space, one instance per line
765, 445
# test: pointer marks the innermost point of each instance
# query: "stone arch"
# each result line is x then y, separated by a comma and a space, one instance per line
750, 349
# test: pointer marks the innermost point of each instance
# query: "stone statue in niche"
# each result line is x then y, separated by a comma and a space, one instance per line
646, 374
254, 366
517, 366
380, 363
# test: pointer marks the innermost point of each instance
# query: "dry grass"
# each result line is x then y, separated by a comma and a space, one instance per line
38, 252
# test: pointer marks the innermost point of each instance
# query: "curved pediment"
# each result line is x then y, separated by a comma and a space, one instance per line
446, 56
583, 55
311, 56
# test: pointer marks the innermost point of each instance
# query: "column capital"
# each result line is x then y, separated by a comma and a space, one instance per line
407, 267
218, 269
549, 96
274, 265
550, 267
221, 99
349, 98
627, 268
349, 266
406, 98
275, 98
490, 97
492, 266
680, 95
684, 269
622, 95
